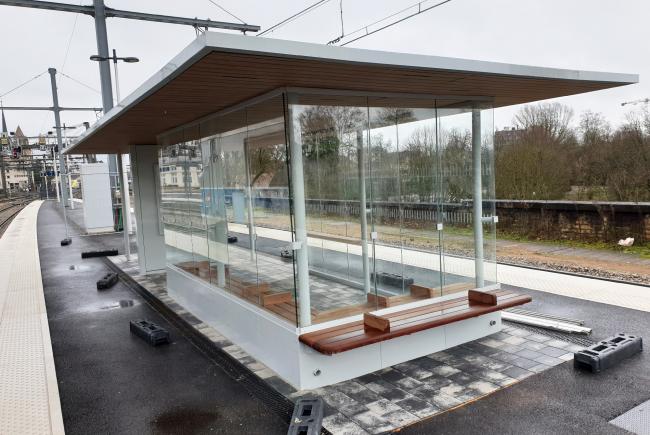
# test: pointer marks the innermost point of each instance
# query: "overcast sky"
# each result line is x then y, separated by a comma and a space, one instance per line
596, 35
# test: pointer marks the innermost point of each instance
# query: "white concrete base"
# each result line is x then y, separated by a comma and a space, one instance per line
274, 342
100, 230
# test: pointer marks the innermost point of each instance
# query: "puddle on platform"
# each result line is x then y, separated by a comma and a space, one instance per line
185, 421
79, 267
124, 303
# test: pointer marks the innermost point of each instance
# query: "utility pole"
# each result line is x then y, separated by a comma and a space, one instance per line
57, 125
99, 12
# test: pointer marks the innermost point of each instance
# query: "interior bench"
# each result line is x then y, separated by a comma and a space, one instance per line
375, 328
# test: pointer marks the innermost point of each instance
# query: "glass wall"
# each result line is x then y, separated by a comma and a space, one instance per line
317, 207
225, 204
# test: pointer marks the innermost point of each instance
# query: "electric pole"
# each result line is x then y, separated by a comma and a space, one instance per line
99, 12
57, 126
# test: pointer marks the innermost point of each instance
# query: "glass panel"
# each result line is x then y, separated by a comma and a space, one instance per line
455, 150
193, 175
379, 175
175, 208
213, 207
332, 132
455, 142
489, 196
418, 173
387, 211
268, 198
404, 175
242, 267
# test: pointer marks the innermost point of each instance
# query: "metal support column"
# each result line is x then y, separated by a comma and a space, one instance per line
301, 254
69, 181
363, 212
102, 50
128, 225
249, 203
123, 187
477, 212
57, 125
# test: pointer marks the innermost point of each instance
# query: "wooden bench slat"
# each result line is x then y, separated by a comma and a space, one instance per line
352, 326
410, 311
353, 335
422, 317
367, 339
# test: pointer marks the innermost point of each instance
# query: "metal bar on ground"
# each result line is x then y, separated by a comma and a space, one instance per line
545, 323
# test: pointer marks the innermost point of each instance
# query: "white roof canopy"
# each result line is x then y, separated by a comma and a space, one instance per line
219, 70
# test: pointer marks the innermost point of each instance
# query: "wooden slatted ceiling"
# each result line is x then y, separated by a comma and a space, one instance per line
222, 79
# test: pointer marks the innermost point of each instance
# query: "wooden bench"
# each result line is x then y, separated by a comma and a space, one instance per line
416, 293
380, 327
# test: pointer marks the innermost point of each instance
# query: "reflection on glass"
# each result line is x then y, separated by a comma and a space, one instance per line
388, 202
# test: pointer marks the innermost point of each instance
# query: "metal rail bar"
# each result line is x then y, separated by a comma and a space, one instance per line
89, 109
118, 13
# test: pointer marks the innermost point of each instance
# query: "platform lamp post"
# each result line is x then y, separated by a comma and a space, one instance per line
124, 182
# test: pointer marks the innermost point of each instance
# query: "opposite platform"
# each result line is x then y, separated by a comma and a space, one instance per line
29, 398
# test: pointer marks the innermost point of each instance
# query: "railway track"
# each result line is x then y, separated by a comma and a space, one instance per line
9, 208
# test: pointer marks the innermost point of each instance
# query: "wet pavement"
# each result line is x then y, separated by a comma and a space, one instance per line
560, 400
113, 382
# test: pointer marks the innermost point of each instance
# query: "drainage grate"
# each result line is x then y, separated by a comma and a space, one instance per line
636, 420
571, 338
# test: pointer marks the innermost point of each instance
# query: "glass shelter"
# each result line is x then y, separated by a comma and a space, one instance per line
316, 205
330, 210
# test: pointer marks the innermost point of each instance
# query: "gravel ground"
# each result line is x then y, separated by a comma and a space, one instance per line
581, 270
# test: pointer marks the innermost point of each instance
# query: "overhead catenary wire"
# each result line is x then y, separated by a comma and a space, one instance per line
365, 28
293, 17
22, 84
342, 35
67, 49
79, 82
227, 11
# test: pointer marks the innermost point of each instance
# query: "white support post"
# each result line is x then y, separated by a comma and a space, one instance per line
67, 161
219, 229
128, 225
127, 242
249, 203
56, 177
477, 212
146, 203
301, 254
363, 213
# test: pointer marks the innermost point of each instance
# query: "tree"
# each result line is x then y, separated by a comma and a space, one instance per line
538, 162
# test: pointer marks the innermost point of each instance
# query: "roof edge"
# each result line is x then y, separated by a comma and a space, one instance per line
224, 42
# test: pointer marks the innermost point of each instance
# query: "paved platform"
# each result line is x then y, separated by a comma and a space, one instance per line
112, 382
29, 394
406, 393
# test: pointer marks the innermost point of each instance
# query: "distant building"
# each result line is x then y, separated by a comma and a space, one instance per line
506, 136
16, 178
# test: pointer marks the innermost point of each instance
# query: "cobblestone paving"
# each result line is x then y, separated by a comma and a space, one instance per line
405, 393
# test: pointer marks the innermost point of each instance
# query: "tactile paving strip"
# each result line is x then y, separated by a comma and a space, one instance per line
29, 396
636, 420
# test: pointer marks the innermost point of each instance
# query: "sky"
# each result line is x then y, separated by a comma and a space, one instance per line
597, 35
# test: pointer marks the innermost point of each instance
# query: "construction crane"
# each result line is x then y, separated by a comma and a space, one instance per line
635, 102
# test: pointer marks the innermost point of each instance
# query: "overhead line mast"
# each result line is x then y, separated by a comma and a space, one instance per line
100, 12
